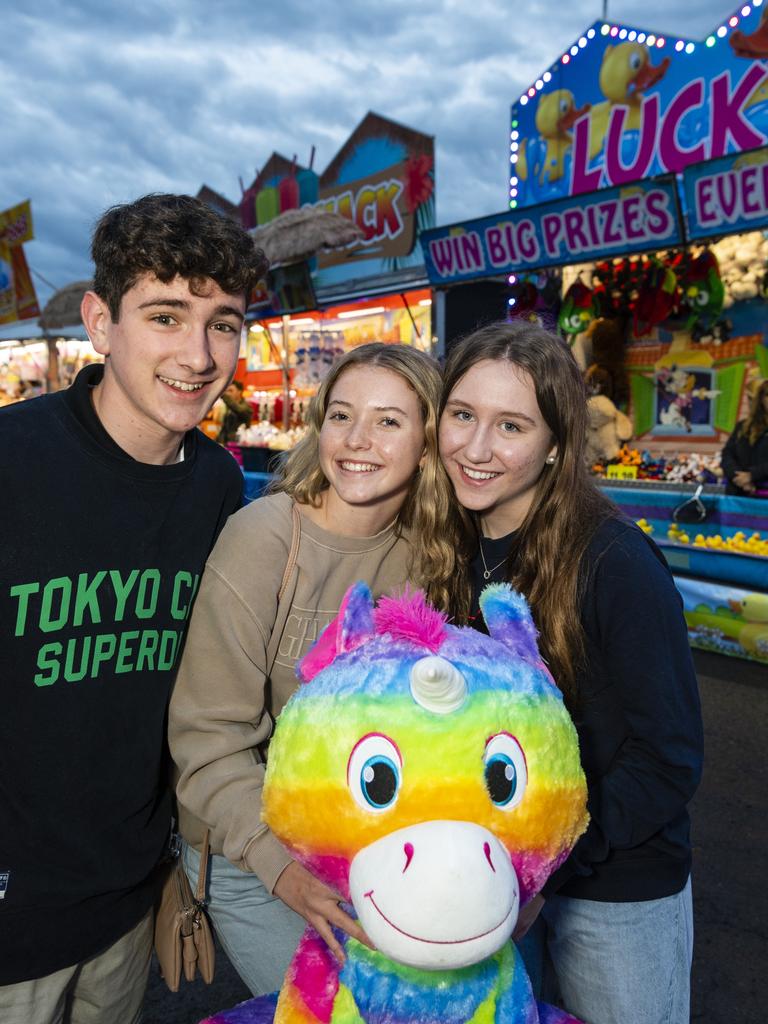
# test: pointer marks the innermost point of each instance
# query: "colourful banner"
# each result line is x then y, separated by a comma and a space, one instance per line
622, 104
16, 224
644, 216
728, 195
7, 290
725, 619
18, 300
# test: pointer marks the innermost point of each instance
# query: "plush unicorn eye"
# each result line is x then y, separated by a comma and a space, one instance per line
373, 772
506, 775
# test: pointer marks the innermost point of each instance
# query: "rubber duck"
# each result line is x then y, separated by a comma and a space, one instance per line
625, 74
555, 115
753, 636
753, 46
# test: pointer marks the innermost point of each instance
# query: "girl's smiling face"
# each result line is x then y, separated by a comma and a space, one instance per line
371, 441
494, 443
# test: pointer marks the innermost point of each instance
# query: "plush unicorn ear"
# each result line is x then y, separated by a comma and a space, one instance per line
352, 626
509, 621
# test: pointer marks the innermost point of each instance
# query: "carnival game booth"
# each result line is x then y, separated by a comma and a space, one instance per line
346, 268
639, 175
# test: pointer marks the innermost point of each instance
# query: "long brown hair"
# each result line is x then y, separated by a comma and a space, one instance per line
429, 502
756, 424
545, 560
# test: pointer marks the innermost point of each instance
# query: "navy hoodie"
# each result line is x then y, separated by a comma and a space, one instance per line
638, 719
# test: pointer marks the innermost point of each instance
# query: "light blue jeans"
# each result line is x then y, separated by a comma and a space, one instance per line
257, 931
610, 963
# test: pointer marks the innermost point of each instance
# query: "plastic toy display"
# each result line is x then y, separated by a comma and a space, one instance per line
431, 775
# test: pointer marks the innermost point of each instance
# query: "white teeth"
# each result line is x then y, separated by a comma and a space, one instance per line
180, 385
359, 467
476, 474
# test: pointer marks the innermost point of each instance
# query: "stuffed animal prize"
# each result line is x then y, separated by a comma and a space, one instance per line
430, 774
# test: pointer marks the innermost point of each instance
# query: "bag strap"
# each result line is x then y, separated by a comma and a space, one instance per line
287, 590
202, 876
293, 553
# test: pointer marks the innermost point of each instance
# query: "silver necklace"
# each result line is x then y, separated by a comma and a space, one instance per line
487, 573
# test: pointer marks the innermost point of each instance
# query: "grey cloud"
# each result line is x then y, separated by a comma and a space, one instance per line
103, 102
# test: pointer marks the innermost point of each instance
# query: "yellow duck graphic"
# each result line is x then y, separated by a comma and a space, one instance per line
555, 115
625, 73
753, 636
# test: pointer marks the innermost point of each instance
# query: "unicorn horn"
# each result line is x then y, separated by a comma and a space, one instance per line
437, 685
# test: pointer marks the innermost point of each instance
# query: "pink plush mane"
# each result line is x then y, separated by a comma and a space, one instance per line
410, 618
403, 618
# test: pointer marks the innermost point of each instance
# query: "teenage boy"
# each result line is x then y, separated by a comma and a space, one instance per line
111, 503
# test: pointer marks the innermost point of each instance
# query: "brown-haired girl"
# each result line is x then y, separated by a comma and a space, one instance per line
745, 456
365, 495
616, 917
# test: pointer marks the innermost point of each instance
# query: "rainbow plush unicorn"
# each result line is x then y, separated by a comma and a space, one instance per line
431, 776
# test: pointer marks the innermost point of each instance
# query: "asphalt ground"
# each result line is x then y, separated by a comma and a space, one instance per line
730, 861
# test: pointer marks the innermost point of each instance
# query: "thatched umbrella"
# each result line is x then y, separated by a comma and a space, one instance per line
63, 307
299, 234
60, 311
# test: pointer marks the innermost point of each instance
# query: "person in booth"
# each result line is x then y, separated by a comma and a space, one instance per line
105, 539
745, 455
238, 413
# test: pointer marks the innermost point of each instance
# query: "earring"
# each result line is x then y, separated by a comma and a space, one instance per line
550, 460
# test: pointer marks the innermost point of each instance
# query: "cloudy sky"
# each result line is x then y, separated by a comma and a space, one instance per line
104, 101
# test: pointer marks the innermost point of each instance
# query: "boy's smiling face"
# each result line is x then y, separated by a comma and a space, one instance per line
170, 356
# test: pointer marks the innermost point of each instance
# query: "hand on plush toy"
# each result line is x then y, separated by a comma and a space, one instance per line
318, 905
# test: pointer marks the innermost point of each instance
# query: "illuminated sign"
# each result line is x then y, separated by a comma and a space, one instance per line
632, 219
622, 104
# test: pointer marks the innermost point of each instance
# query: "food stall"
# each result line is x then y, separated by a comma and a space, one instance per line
639, 176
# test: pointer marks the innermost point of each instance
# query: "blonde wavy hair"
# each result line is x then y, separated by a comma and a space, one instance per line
429, 502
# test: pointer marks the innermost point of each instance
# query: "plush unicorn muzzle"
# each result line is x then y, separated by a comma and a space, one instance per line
437, 895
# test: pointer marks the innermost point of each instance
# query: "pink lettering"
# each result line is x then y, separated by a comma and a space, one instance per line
594, 227
576, 240
659, 221
750, 201
441, 252
552, 224
704, 210
727, 113
472, 251
726, 194
496, 250
610, 233
672, 156
509, 234
634, 228
615, 170
527, 241
582, 179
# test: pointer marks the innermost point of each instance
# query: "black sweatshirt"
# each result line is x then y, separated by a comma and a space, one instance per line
639, 721
99, 564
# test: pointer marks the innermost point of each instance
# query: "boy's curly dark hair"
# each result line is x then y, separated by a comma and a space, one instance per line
170, 235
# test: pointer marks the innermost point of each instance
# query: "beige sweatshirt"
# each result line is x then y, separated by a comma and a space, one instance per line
222, 705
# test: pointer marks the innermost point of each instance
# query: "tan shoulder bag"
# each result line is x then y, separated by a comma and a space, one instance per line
183, 934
